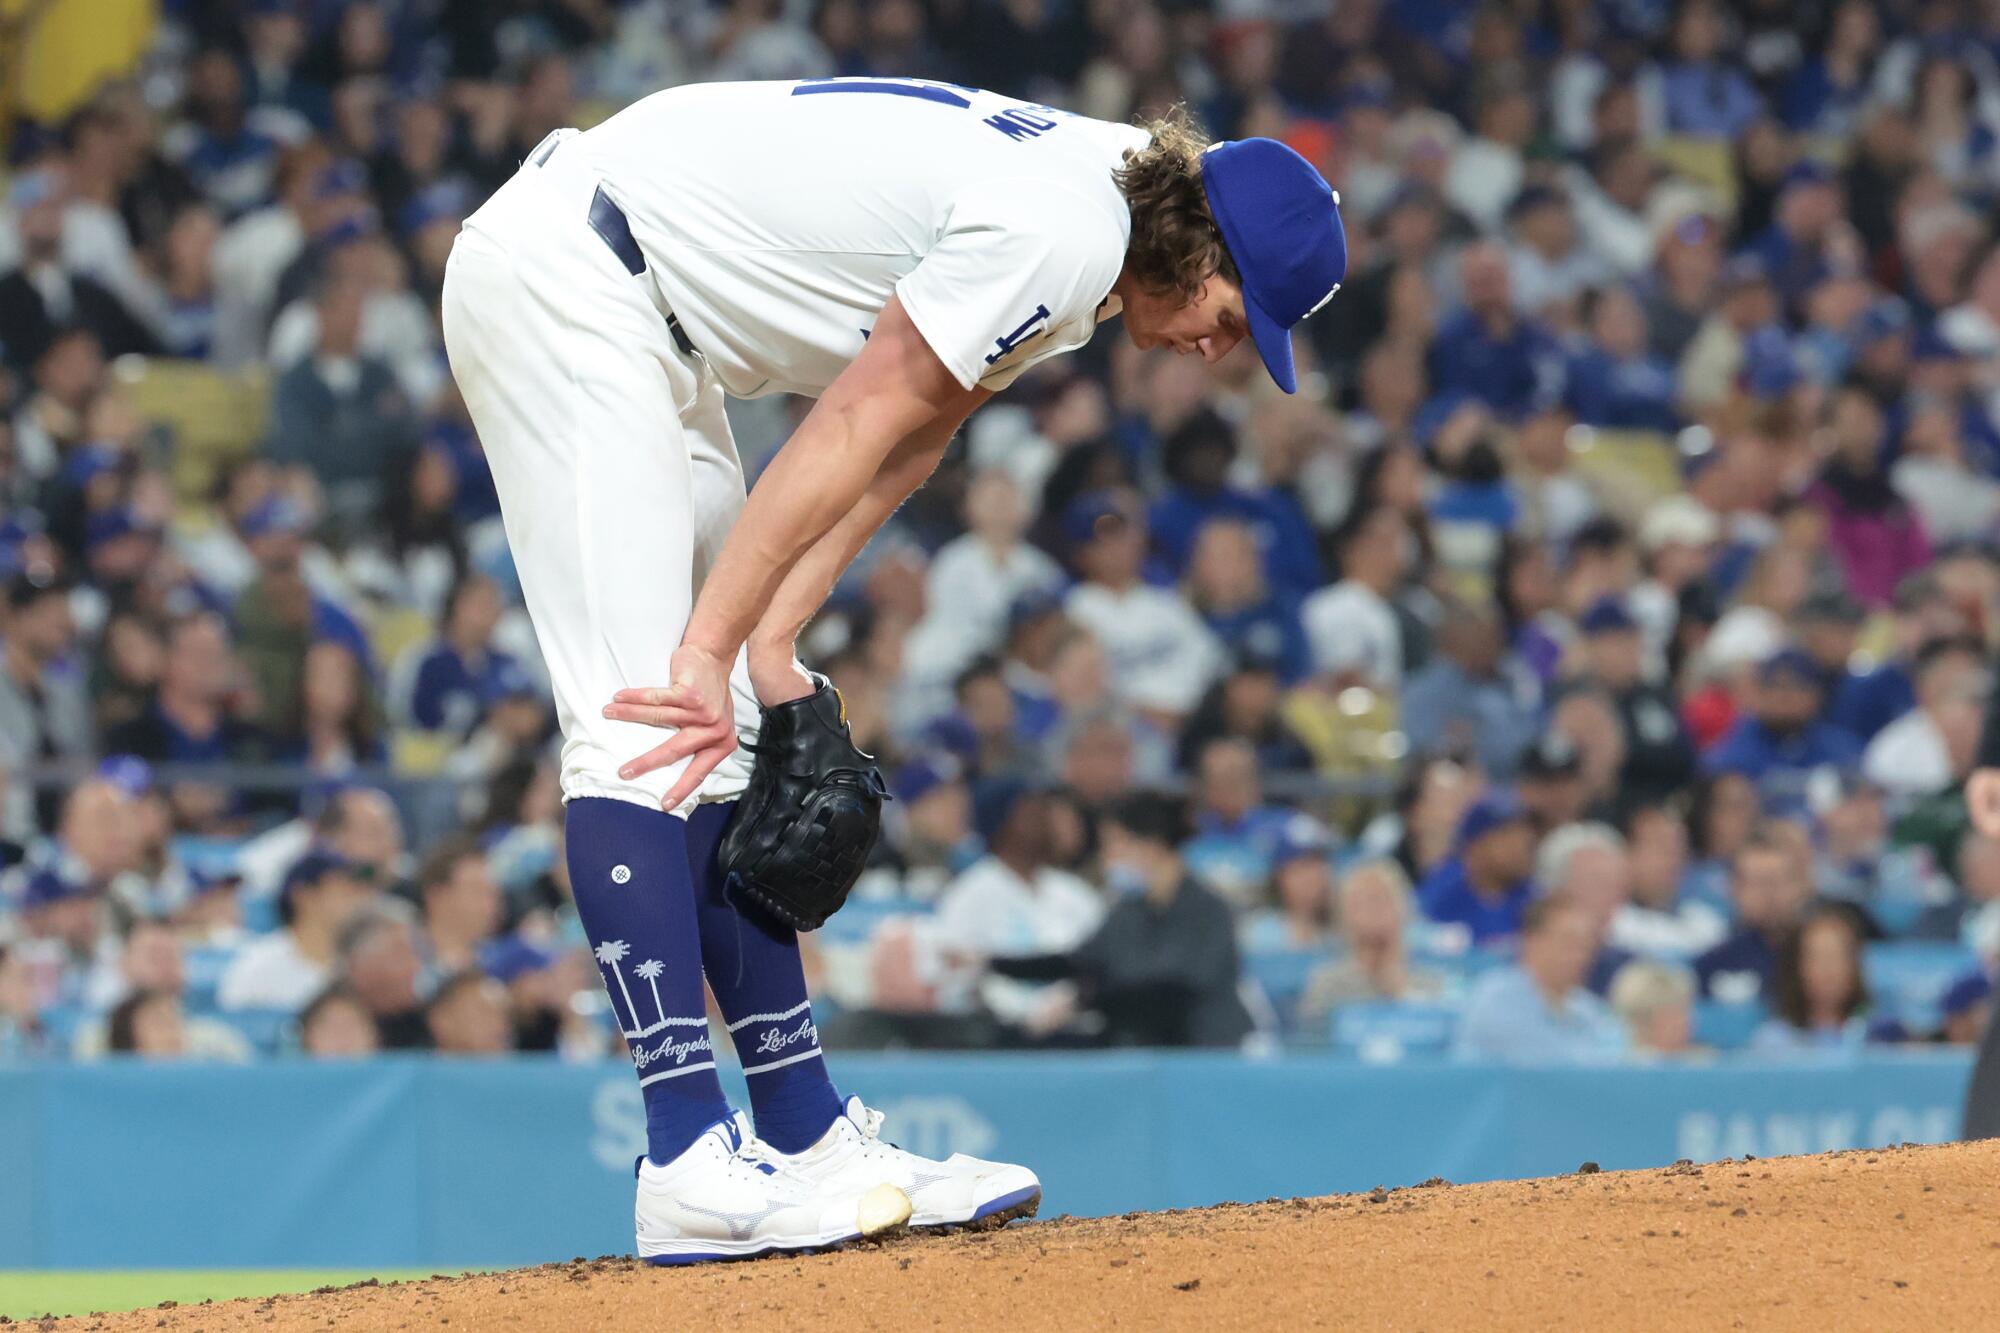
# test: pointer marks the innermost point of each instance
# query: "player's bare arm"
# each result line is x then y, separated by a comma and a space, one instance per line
775, 671
896, 387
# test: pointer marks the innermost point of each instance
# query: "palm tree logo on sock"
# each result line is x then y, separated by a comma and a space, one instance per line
649, 972
610, 954
613, 952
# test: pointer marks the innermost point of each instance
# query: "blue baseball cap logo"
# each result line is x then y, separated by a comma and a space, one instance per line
1281, 222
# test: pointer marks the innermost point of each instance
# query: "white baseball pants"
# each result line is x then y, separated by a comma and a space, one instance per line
617, 476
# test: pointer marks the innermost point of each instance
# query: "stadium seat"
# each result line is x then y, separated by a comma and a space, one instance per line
265, 1029
1388, 1031
1725, 1025
1710, 163
1283, 974
210, 416
1907, 978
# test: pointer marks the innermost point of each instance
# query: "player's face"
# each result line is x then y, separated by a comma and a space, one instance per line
1208, 326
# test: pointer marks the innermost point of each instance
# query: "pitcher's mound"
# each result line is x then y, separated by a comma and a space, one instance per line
1891, 1238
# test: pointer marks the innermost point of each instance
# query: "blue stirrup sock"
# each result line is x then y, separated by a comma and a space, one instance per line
759, 984
628, 870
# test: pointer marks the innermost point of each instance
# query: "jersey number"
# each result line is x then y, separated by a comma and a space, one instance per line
1020, 122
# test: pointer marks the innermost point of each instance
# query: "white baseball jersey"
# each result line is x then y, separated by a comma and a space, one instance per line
777, 219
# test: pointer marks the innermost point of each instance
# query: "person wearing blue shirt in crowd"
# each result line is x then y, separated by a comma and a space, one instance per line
1236, 835
1483, 885
194, 714
1473, 697
1783, 740
1614, 381
462, 675
1705, 97
1197, 457
1538, 1010
231, 161
1488, 351
1796, 248
1225, 581
1858, 700
1770, 885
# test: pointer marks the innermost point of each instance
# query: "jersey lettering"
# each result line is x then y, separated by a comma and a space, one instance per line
1016, 123
1019, 124
1008, 342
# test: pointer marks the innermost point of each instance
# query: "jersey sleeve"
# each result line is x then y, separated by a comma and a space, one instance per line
1019, 270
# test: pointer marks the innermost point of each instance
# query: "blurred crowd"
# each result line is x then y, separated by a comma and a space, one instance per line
1583, 665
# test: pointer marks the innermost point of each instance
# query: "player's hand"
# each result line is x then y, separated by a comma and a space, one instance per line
1982, 800
697, 706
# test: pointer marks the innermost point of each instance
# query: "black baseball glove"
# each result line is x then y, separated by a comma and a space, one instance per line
803, 829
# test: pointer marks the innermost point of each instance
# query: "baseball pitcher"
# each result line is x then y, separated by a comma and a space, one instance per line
898, 250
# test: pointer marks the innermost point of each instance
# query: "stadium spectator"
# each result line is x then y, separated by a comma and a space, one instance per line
1162, 656
1783, 740
338, 416
381, 970
1355, 634
1659, 757
1375, 915
44, 296
1820, 997
1014, 901
196, 713
337, 1026
1965, 1010
1226, 585
1909, 757
44, 710
1769, 890
1539, 1009
1484, 884
148, 1024
1655, 1002
1663, 920
1471, 697
286, 968
1236, 833
461, 907
1247, 705
976, 579
1586, 865
456, 681
1302, 891
469, 1016
23, 1034
1161, 969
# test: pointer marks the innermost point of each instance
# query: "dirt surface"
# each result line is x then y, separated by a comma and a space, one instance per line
1896, 1238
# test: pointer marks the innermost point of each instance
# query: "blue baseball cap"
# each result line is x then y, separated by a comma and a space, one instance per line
993, 803
1795, 663
48, 887
1301, 837
1607, 615
1281, 222
311, 868
510, 958
128, 773
109, 525
924, 775
1495, 810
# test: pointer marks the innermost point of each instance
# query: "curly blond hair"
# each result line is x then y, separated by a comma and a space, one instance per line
1176, 245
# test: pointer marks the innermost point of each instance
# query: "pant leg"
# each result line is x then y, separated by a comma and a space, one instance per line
577, 395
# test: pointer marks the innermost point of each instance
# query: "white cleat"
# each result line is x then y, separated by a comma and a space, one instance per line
959, 1191
730, 1196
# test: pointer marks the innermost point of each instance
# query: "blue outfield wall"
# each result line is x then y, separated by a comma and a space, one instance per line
427, 1162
